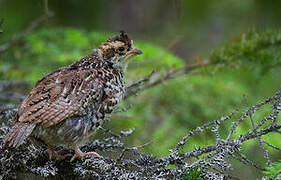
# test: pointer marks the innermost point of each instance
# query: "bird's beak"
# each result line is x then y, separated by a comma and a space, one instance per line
133, 52
136, 51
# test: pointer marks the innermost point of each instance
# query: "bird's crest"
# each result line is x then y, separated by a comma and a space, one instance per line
123, 37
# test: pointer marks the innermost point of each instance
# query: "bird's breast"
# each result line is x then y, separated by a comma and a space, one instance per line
72, 130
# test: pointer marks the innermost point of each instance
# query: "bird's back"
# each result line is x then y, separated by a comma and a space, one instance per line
58, 96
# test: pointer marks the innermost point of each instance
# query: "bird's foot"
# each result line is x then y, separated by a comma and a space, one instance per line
57, 154
80, 155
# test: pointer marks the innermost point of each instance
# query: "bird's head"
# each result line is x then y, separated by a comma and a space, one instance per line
118, 50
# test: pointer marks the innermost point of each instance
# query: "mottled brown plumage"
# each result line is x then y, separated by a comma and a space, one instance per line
66, 106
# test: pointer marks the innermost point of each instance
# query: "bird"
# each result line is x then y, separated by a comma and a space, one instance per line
66, 106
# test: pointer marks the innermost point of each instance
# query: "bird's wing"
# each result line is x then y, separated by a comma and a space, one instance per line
58, 96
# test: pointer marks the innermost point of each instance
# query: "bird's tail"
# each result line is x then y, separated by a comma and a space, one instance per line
19, 132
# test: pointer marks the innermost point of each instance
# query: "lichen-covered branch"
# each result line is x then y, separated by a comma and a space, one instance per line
120, 160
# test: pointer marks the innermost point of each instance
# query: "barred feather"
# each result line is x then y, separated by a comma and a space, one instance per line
18, 134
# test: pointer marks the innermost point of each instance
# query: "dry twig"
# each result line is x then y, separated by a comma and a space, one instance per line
156, 78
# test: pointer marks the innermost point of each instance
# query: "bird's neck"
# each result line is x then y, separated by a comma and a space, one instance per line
95, 60
121, 67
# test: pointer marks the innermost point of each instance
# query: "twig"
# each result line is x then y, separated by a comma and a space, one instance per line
134, 87
134, 148
149, 81
141, 81
276, 107
252, 110
35, 23
275, 110
201, 160
227, 176
268, 161
242, 158
200, 129
241, 139
175, 73
271, 145
125, 109
110, 132
252, 135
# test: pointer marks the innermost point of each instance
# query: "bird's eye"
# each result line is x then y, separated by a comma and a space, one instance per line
121, 49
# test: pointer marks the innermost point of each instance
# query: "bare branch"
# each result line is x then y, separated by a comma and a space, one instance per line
242, 158
271, 145
155, 78
134, 148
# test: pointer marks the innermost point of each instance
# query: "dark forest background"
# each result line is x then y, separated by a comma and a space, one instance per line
172, 34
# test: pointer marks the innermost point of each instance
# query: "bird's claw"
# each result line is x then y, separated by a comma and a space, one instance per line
80, 155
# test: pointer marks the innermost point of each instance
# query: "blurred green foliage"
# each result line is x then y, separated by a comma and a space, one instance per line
274, 171
258, 51
50, 49
193, 174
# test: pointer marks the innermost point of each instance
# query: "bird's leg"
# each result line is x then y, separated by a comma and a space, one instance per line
80, 155
53, 154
